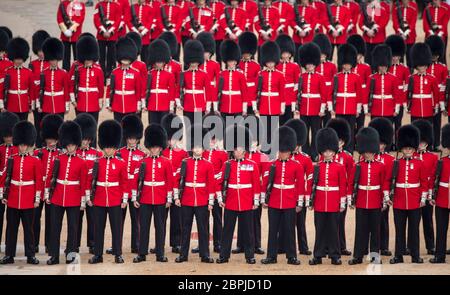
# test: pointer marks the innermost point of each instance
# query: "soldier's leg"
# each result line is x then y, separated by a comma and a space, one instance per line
99, 214
442, 217
257, 226
400, 231
72, 228
287, 115
374, 226
134, 215
361, 233
37, 224
428, 227
175, 226
28, 237
302, 239
115, 220
66, 58
202, 221
2, 216
342, 240
239, 241
307, 148
48, 225
110, 58
145, 219
80, 227
315, 126
288, 224
332, 226
102, 54
218, 55
398, 123
160, 230
144, 53
90, 226
384, 230
187, 217
413, 232
37, 117
229, 223
55, 236
437, 129
246, 217
274, 226
320, 243
217, 224
12, 228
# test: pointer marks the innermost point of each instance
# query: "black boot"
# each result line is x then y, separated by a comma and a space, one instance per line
176, 249
346, 252
207, 259
216, 249
118, 259
91, 250
7, 260
237, 250
250, 260
385, 253
162, 259
109, 251
181, 259
355, 261
195, 250
396, 259
259, 251
95, 259
221, 260
269, 260
305, 252
431, 251
436, 260
336, 261
315, 261
53, 260
417, 260
32, 260
293, 261
139, 258
152, 251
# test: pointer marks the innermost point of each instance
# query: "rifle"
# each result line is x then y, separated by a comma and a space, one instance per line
262, 20
299, 94
149, 88
54, 179
410, 91
226, 177
9, 170
356, 182
335, 91
194, 24
135, 21
140, 181
94, 180
270, 182
371, 91
182, 179
41, 89
105, 22
368, 21
165, 19
331, 19
316, 175
6, 85
182, 88
447, 92
66, 19
112, 89
401, 22
299, 20
438, 178
259, 91
77, 82
434, 27
230, 23
394, 179
219, 90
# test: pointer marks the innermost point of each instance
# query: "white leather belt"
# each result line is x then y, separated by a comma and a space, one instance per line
443, 184
327, 188
289, 85
239, 186
154, 183
216, 176
310, 95
22, 183
401, 87
231, 92
250, 84
369, 187
327, 83
67, 182
213, 83
269, 93
130, 176
18, 91
379, 96
407, 185
421, 96
284, 186
49, 93
363, 86
88, 89
341, 94
107, 184
2, 80
119, 92
159, 91
194, 184
190, 91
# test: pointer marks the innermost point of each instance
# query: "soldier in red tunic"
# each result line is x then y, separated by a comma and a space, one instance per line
155, 193
410, 195
4, 60
370, 192
21, 188
337, 26
233, 26
175, 18
404, 24
7, 149
109, 191
328, 198
140, 19
65, 192
248, 43
267, 22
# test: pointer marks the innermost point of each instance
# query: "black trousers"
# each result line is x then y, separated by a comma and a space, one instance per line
144, 53
90, 227
115, 221
327, 236
2, 218
218, 55
68, 48
145, 219
13, 218
288, 114
313, 124
73, 219
201, 217
95, 115
134, 215
302, 239
367, 229
360, 120
22, 116
37, 224
412, 218
429, 119
281, 220
256, 230
175, 226
428, 227
352, 122
155, 117
37, 118
398, 123
119, 116
442, 217
326, 118
107, 56
384, 230
437, 129
270, 124
369, 48
408, 56
229, 223
217, 224
192, 116
342, 240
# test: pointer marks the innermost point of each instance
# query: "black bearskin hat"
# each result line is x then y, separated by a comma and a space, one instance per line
270, 52
18, 48
300, 130
324, 44
436, 45
248, 42
7, 122
397, 45
358, 42
158, 51
7, 31
287, 139
88, 126
425, 131
193, 52
446, 136
126, 49
136, 39
286, 44
208, 42
420, 54
196, 135
253, 125
342, 129
24, 133
132, 127
214, 122
155, 135
347, 54
408, 136
87, 49
38, 39
327, 139
367, 141
229, 51
50, 125
53, 49
381, 56
385, 130
172, 124
69, 133
237, 136
171, 40
309, 53
109, 134
4, 39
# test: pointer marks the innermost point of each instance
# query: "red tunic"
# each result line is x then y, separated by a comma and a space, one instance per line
175, 17
443, 195
90, 88
6, 151
440, 72
272, 94
217, 158
327, 69
158, 181
56, 91
76, 11
314, 94
425, 97
309, 15
372, 185
349, 93
430, 163
411, 185
331, 187
197, 89
354, 9
21, 92
272, 18
305, 160
234, 92
37, 66
47, 157
402, 73
203, 16
251, 71
217, 8
440, 16
145, 20
128, 87
380, 16
175, 155
364, 71
238, 16
341, 14
133, 158
291, 72
163, 91
251, 9
387, 97
113, 18
286, 12
212, 69
409, 14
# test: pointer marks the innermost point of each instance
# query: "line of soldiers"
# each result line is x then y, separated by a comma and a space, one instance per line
69, 177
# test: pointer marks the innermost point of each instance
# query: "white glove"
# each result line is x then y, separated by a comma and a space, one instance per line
68, 33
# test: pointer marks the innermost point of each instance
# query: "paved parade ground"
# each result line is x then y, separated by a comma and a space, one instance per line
24, 17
